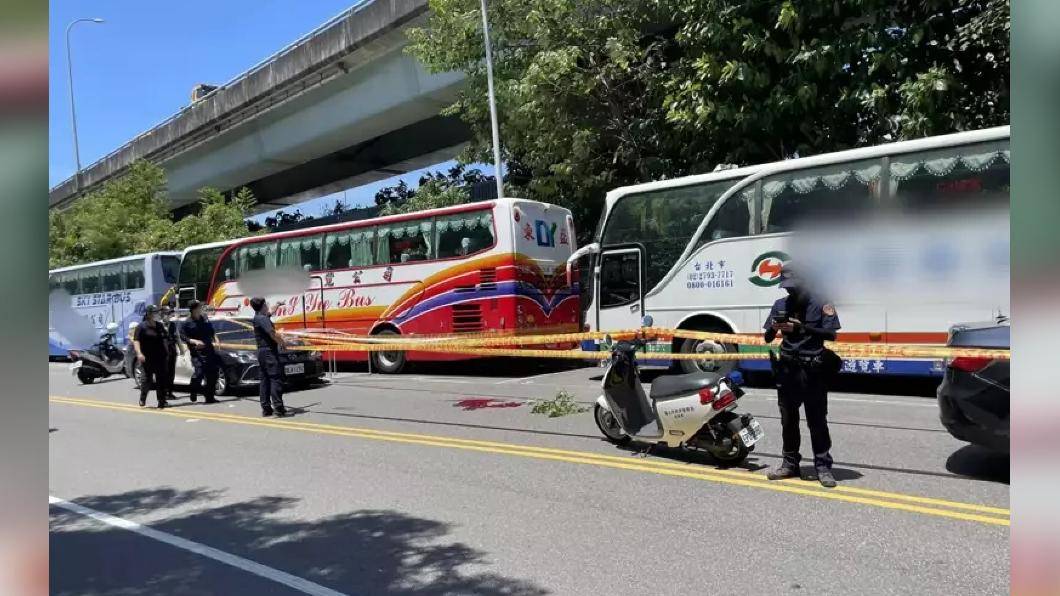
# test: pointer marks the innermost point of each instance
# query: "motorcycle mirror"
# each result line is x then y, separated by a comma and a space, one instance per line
647, 321
736, 377
112, 327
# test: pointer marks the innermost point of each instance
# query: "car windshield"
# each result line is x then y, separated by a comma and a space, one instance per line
229, 331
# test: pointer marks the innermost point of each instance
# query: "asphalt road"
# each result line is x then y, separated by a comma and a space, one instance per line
448, 484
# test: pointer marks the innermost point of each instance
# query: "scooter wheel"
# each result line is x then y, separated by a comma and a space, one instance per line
736, 455
607, 424
85, 378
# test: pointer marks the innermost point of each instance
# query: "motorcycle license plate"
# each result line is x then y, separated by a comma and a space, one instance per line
294, 369
751, 433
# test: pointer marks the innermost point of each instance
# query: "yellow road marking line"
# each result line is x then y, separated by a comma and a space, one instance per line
583, 454
746, 479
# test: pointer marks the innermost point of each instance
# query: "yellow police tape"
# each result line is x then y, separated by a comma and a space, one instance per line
492, 344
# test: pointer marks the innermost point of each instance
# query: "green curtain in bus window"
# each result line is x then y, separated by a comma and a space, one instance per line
837, 190
382, 245
462, 234
361, 248
290, 254
972, 175
337, 251
270, 251
410, 242
310, 252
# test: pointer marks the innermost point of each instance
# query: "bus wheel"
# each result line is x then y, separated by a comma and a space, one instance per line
389, 363
697, 346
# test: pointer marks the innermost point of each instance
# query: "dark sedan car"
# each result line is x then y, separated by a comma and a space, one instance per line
974, 394
239, 367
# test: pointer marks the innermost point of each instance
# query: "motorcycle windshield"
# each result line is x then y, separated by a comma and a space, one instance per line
625, 395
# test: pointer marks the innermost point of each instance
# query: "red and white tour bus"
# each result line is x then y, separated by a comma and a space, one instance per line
494, 266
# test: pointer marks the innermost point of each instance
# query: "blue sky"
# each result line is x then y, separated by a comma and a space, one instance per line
139, 67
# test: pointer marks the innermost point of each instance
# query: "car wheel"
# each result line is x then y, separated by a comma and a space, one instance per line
389, 363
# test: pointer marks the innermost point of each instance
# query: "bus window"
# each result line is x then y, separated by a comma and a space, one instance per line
732, 220
463, 234
297, 253
663, 220
404, 242
90, 280
54, 281
71, 282
257, 256
195, 271
840, 191
967, 176
619, 279
170, 268
229, 271
134, 275
113, 277
350, 248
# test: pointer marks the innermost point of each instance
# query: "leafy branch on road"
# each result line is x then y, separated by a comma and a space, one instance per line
561, 405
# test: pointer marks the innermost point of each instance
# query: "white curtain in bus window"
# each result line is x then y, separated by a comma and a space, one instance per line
839, 191
970, 176
257, 256
463, 234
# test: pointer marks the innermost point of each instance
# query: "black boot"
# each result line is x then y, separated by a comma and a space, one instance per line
266, 412
784, 470
825, 477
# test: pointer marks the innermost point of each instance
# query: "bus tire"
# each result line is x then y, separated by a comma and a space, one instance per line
693, 346
390, 363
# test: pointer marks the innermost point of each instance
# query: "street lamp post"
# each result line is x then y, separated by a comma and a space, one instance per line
493, 103
73, 111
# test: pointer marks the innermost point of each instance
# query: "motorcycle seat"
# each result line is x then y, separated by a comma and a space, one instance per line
670, 386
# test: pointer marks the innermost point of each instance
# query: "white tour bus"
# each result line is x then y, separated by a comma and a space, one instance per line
111, 291
905, 238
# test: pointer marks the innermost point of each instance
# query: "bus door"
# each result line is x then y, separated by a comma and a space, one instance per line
619, 285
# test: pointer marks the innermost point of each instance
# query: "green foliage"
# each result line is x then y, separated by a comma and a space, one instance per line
436, 189
130, 215
561, 405
599, 93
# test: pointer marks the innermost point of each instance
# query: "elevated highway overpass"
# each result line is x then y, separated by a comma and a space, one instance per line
344, 105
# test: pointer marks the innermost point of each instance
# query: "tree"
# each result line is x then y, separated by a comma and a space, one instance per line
436, 189
130, 215
595, 94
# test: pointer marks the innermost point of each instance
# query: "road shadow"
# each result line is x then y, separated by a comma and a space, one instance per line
691, 457
368, 551
980, 463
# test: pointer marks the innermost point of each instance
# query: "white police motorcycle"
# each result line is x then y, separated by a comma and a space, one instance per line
691, 411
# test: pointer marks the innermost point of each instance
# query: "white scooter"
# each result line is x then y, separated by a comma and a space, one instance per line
99, 361
689, 411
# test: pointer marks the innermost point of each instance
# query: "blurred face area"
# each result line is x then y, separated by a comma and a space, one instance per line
196, 313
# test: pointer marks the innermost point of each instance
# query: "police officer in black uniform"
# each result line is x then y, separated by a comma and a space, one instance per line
172, 347
802, 369
269, 343
198, 333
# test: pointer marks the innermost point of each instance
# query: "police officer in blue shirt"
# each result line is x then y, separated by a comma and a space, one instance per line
198, 333
269, 342
802, 368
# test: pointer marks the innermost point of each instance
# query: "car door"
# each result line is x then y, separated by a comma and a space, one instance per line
619, 278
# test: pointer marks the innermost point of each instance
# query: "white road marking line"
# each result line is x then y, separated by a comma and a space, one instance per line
291, 581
